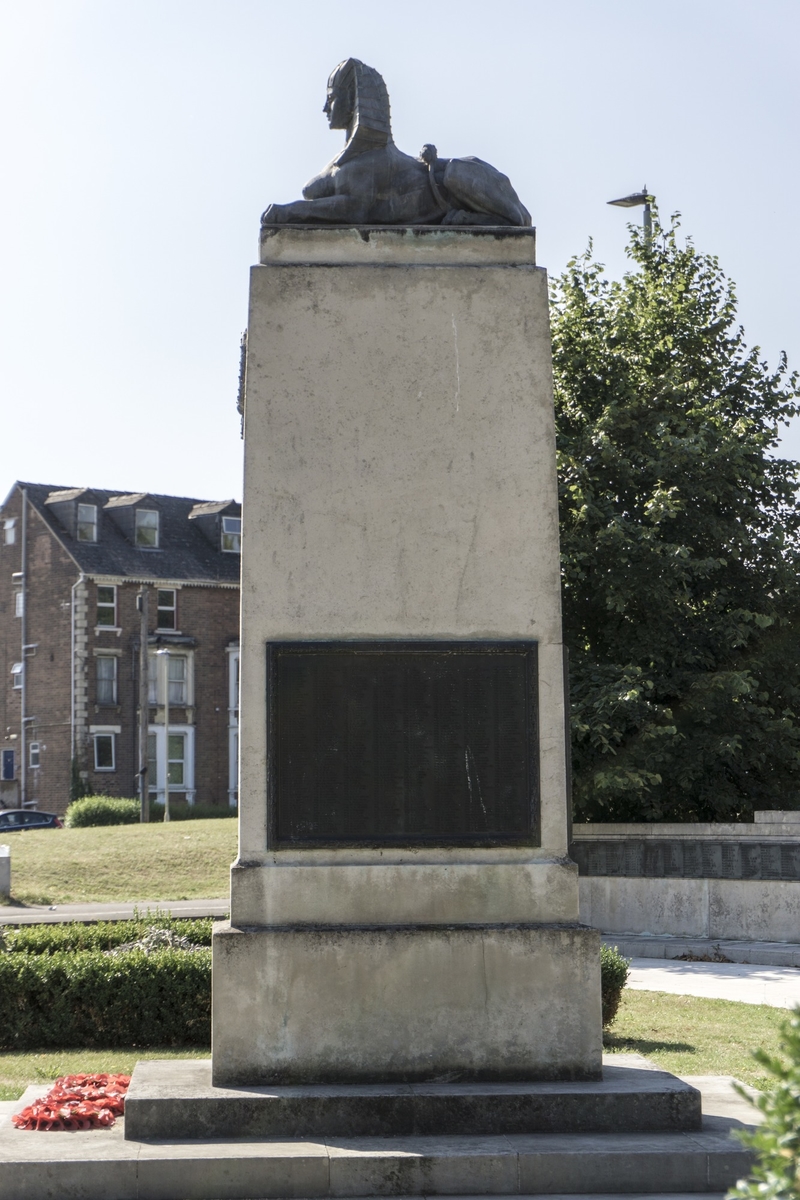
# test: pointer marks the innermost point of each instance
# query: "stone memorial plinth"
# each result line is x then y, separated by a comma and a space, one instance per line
403, 907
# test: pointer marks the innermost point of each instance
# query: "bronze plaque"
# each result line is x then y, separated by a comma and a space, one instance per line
402, 743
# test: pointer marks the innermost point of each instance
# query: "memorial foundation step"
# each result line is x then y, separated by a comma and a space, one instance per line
108, 1165
177, 1100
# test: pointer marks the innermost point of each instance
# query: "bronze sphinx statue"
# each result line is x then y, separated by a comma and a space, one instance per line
371, 182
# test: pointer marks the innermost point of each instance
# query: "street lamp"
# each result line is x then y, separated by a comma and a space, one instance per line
163, 654
632, 201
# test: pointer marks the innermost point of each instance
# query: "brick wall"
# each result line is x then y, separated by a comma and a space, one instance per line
51, 574
207, 614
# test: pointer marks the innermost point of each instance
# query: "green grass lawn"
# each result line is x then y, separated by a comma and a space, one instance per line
684, 1034
19, 1071
178, 861
689, 1035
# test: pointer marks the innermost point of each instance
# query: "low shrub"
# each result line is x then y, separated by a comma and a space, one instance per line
102, 810
105, 935
90, 1000
190, 812
776, 1173
614, 969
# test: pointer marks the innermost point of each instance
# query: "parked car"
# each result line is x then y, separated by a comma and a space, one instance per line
28, 818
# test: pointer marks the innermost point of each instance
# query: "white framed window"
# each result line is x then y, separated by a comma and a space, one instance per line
33, 754
107, 605
87, 522
16, 675
179, 762
19, 603
177, 674
106, 674
104, 757
152, 762
146, 528
176, 763
180, 679
10, 530
232, 535
167, 608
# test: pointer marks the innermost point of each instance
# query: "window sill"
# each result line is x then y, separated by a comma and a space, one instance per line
117, 629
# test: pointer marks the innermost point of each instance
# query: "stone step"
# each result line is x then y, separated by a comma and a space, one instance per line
176, 1099
104, 1165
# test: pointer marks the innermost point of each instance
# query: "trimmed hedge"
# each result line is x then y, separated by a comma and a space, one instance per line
60, 990
113, 810
193, 812
92, 1000
101, 810
105, 935
613, 977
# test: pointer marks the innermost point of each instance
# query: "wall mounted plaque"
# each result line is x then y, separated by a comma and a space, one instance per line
402, 743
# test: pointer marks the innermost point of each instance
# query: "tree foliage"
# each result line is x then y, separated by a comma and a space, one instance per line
680, 535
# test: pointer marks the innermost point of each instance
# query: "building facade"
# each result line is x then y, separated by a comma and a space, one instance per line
74, 563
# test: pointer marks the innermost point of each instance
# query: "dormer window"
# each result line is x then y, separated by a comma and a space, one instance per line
146, 528
87, 522
232, 535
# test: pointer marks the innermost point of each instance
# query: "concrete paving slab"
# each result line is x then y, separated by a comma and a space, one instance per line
778, 987
88, 914
628, 1163
722, 1101
399, 1166
234, 1170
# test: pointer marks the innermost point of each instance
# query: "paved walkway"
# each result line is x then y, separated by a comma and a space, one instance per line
778, 987
736, 950
36, 914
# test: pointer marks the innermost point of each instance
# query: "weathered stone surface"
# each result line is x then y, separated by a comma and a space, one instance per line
755, 909
345, 1004
400, 486
177, 1099
400, 472
102, 1164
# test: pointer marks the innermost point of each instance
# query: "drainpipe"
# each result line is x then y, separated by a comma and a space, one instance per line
72, 659
23, 773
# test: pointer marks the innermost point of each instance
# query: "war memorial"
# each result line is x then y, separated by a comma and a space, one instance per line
405, 1001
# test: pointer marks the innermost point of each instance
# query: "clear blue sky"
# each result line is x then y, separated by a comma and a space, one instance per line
142, 140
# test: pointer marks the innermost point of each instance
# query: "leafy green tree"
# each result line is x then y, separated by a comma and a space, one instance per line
776, 1174
680, 538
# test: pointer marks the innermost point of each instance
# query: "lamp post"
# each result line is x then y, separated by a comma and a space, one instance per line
163, 654
636, 198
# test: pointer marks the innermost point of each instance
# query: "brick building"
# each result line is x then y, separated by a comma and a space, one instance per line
72, 563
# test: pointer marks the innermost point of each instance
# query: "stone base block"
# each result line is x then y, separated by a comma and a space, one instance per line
103, 1164
405, 1004
178, 1100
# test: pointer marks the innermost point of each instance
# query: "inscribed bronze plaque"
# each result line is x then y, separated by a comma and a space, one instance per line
402, 743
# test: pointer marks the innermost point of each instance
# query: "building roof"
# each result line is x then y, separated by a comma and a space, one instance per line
185, 551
